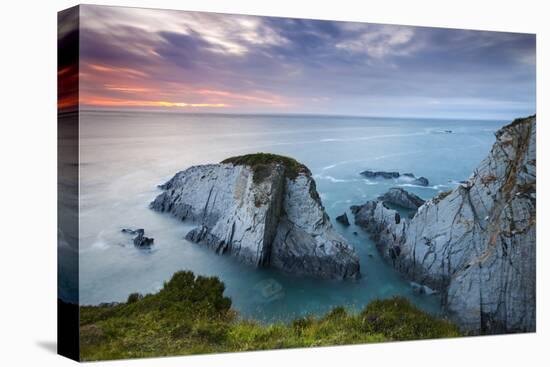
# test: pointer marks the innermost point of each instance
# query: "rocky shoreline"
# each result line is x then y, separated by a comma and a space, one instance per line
476, 243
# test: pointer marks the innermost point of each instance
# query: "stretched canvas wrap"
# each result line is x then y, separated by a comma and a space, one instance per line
235, 183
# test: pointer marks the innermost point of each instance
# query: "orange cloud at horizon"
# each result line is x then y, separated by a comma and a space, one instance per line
104, 85
111, 102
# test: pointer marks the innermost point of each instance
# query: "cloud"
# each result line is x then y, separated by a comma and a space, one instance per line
378, 42
266, 64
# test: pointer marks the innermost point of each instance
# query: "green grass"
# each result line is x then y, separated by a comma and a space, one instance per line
260, 162
190, 315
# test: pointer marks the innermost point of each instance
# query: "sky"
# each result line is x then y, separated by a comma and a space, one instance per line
132, 58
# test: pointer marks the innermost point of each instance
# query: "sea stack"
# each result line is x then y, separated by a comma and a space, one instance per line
263, 209
476, 243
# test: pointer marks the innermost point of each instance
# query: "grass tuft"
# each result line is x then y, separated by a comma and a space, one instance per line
260, 164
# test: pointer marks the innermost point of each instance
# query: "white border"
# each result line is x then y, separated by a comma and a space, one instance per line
28, 156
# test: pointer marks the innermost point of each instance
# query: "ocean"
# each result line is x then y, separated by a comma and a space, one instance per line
125, 155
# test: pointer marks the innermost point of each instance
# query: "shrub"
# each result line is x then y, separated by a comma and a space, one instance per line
134, 297
182, 331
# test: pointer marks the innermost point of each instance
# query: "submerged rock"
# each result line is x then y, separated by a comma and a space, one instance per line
343, 219
140, 240
476, 243
402, 198
269, 290
264, 210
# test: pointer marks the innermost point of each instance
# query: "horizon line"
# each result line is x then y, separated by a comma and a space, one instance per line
275, 114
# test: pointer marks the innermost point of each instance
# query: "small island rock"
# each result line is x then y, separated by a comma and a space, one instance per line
343, 219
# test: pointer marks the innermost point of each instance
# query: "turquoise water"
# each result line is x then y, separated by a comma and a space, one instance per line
125, 155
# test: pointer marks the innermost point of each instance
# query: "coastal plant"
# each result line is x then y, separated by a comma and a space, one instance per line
190, 315
260, 164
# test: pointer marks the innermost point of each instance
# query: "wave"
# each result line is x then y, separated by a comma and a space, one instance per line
434, 187
383, 156
334, 179
372, 137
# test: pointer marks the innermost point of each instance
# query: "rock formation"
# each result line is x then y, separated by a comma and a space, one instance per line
263, 209
409, 177
140, 241
476, 243
402, 198
343, 219
380, 174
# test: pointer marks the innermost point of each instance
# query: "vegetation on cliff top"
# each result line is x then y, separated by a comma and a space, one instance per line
190, 315
260, 162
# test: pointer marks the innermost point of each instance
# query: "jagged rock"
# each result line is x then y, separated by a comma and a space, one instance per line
140, 240
343, 219
400, 197
476, 243
420, 181
380, 174
267, 214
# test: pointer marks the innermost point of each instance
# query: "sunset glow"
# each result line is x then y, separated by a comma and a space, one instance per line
156, 59
110, 102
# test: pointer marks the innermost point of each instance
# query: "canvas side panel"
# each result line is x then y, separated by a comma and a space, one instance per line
67, 183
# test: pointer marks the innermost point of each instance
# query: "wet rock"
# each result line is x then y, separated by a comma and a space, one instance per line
422, 289
140, 241
343, 219
380, 174
409, 177
421, 181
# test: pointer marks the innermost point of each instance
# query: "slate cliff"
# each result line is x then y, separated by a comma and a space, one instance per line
476, 243
263, 209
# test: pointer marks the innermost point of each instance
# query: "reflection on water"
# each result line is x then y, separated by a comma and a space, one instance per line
126, 154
